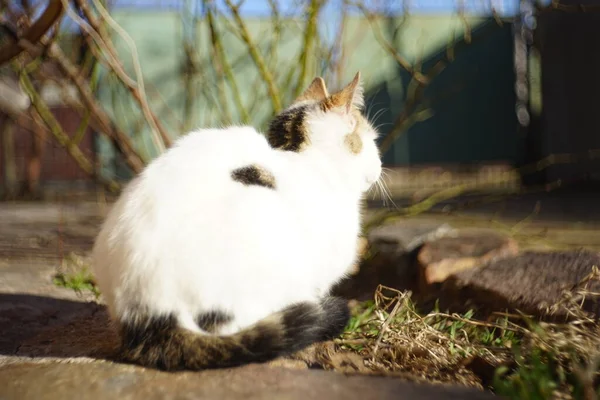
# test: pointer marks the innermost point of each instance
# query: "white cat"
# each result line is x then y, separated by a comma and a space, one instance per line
224, 249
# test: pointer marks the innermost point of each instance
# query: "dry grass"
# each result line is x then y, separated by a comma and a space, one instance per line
514, 354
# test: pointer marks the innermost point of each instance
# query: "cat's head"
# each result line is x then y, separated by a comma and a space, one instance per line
332, 125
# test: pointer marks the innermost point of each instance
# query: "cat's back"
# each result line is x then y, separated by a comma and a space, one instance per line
217, 149
196, 171
191, 177
199, 164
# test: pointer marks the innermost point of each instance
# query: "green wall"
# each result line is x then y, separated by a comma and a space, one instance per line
472, 100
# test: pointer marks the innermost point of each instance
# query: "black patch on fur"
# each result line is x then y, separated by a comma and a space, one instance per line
337, 315
211, 320
254, 175
149, 341
287, 130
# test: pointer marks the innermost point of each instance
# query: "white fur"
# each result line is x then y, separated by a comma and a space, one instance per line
184, 238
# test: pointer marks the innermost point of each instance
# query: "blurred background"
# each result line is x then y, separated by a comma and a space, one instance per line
475, 95
489, 114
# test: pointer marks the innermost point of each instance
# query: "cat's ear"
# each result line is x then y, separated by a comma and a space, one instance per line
349, 97
316, 91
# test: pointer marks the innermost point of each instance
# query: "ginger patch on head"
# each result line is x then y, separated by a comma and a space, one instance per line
254, 175
353, 142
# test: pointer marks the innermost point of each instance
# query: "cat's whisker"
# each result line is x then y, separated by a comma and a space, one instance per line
383, 193
382, 125
378, 114
375, 188
386, 194
369, 191
370, 109
372, 104
378, 186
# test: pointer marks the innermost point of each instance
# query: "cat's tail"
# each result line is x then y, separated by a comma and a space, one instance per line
158, 342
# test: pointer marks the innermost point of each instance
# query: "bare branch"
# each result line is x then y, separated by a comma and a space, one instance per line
62, 138
136, 88
123, 142
389, 47
228, 72
263, 70
310, 33
35, 32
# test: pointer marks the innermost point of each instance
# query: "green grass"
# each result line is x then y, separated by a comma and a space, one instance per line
74, 274
529, 359
537, 376
79, 282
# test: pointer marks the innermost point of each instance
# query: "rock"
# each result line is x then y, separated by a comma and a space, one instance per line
406, 235
461, 250
103, 380
391, 258
532, 282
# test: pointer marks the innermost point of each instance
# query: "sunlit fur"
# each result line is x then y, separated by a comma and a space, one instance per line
186, 240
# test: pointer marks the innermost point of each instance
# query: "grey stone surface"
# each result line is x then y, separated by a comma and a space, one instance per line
42, 232
461, 250
102, 380
392, 247
406, 235
532, 282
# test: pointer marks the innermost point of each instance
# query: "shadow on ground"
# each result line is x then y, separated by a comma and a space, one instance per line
378, 271
38, 326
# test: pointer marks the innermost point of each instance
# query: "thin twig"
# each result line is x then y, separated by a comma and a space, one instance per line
263, 70
310, 34
228, 72
389, 47
386, 325
121, 140
62, 138
153, 121
93, 29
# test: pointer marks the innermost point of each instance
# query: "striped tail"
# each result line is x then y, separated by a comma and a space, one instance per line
158, 342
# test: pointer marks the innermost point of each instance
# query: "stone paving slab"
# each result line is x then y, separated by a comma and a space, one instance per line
102, 380
532, 282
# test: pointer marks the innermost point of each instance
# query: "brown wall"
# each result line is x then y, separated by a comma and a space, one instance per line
57, 164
